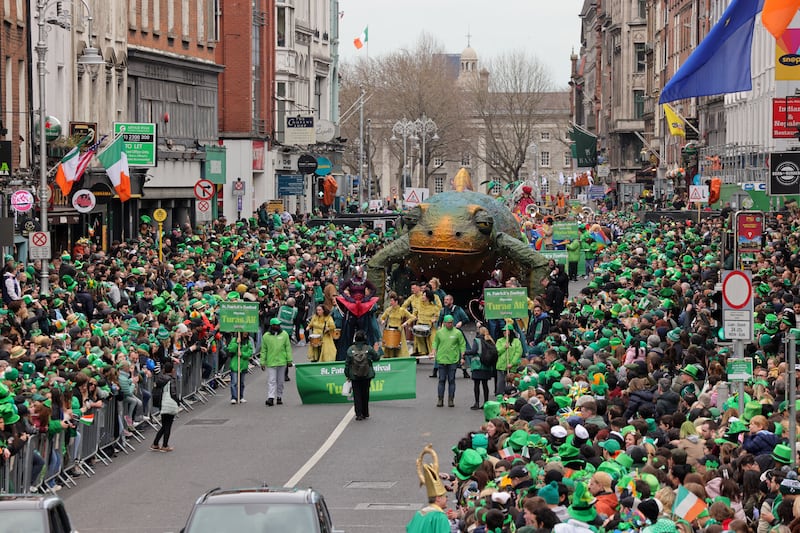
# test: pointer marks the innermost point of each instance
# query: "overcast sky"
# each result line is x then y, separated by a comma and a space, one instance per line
548, 29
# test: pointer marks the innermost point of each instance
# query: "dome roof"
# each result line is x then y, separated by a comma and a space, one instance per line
469, 54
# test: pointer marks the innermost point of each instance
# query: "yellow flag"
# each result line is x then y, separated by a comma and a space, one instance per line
675, 122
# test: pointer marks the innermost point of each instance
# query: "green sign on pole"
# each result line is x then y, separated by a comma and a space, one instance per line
510, 302
739, 369
238, 316
140, 142
395, 379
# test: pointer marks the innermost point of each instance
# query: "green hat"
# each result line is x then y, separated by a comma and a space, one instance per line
9, 414
611, 445
468, 463
568, 452
782, 454
674, 334
518, 439
582, 508
549, 493
491, 409
751, 409
448, 318
624, 460
274, 322
11, 374
162, 333
691, 370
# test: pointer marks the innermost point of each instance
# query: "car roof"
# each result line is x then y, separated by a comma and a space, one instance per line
27, 501
260, 495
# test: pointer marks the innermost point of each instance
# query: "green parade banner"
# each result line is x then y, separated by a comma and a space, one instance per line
510, 302
238, 316
395, 379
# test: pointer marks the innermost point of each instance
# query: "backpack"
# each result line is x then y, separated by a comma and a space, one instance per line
361, 366
488, 354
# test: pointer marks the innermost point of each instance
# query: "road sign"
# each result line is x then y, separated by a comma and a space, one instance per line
698, 194
324, 166
307, 164
204, 190
737, 290
22, 201
291, 185
414, 195
737, 305
739, 369
202, 211
83, 200
238, 188
160, 215
275, 206
140, 139
39, 245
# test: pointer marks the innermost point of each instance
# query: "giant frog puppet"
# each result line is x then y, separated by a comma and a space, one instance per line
461, 237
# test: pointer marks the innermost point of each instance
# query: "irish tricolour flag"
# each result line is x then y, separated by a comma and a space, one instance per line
115, 162
687, 505
362, 39
71, 167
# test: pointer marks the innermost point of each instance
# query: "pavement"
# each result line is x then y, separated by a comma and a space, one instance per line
365, 470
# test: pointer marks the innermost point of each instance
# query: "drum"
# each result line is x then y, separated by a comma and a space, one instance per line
315, 340
391, 338
421, 330
336, 334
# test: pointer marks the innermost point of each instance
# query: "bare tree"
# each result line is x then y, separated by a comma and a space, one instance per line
507, 109
407, 84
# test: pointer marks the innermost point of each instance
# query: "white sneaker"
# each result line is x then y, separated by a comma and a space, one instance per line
242, 401
233, 402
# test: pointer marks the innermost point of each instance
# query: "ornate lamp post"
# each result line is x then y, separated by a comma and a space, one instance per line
90, 59
423, 127
405, 129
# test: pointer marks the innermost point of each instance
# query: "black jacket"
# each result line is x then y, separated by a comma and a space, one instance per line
161, 381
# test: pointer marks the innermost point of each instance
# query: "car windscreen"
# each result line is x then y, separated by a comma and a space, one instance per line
21, 520
254, 518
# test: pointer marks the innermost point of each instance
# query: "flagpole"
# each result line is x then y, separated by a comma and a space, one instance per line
685, 122
117, 136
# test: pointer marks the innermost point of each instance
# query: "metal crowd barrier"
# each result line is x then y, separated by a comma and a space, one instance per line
104, 436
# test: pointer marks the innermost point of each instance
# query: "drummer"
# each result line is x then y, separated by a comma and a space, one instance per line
320, 330
426, 314
396, 317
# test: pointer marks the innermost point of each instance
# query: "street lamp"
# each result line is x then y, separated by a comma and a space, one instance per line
422, 128
405, 129
90, 59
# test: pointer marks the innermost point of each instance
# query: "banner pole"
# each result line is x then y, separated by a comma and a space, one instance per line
239, 369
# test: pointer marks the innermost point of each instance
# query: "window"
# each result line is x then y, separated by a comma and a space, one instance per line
545, 135
638, 103
466, 160
438, 183
281, 30
201, 21
544, 186
185, 19
567, 159
641, 57
497, 189
641, 9
318, 84
171, 17
280, 115
438, 161
544, 159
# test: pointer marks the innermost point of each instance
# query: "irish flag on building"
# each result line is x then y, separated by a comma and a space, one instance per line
72, 166
362, 39
115, 161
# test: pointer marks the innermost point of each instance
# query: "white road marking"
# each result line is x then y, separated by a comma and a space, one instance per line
327, 445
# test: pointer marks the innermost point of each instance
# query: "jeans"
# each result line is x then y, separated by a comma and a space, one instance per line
495, 327
130, 403
447, 373
234, 382
276, 377
590, 266
165, 430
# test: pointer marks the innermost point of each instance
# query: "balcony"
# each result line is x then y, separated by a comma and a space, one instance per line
285, 61
627, 125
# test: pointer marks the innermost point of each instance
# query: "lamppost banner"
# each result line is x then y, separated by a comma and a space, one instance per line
395, 379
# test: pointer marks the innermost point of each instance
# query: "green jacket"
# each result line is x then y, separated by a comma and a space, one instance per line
449, 345
240, 362
508, 356
574, 251
276, 350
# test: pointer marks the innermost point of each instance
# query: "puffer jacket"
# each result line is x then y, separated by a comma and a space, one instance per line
637, 400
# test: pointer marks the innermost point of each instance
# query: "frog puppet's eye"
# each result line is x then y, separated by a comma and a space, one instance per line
483, 221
